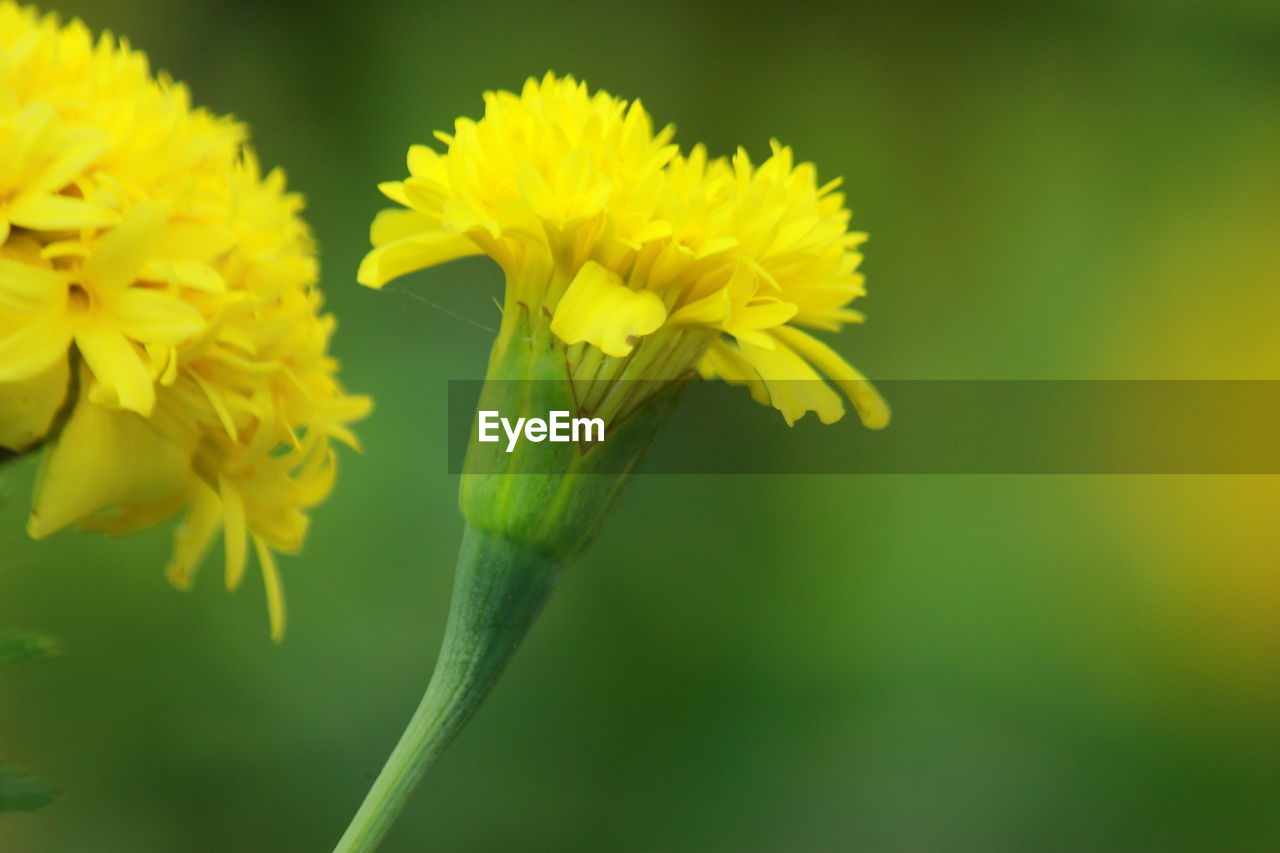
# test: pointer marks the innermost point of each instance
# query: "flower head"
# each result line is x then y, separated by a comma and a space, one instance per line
160, 327
646, 262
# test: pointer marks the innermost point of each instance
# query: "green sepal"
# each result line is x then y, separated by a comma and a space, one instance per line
552, 497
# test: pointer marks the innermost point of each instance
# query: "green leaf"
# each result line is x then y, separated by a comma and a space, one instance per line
21, 793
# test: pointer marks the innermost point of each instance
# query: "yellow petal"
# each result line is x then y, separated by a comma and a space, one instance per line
33, 347
184, 272
105, 458
716, 246
315, 480
59, 213
27, 408
725, 361
27, 134
872, 409
425, 195
117, 365
192, 538
794, 388
413, 253
125, 520
395, 224
198, 240
537, 193
394, 190
30, 289
711, 310
79, 150
274, 589
117, 260
236, 539
154, 317
762, 313
423, 161
599, 309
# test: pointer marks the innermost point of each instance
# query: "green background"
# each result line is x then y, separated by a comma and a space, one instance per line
1076, 189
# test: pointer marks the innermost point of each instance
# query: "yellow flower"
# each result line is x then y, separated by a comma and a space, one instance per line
160, 327
630, 267
102, 304
648, 263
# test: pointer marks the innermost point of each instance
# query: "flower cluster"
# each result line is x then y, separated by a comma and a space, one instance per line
160, 327
648, 262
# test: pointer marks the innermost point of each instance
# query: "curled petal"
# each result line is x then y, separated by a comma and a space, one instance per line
794, 387
413, 253
871, 407
599, 309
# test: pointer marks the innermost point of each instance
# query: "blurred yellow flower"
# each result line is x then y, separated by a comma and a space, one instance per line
160, 327
647, 263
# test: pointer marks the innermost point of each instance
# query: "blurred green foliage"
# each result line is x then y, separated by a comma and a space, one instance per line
1068, 189
18, 646
21, 793
18, 792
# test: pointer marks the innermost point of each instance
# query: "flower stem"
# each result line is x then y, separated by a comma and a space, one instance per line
499, 589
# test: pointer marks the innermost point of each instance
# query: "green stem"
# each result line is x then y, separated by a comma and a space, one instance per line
499, 589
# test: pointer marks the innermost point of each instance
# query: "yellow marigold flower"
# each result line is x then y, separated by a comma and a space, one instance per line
160, 325
630, 267
648, 263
